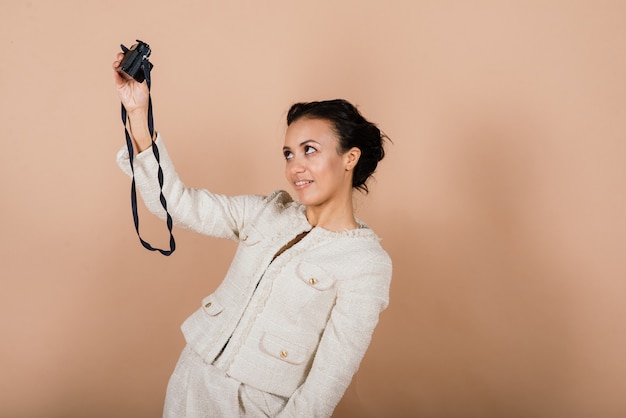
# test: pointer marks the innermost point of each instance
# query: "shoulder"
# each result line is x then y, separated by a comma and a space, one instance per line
368, 257
279, 198
277, 211
282, 204
351, 253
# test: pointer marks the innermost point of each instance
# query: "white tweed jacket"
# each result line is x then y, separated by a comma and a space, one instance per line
297, 325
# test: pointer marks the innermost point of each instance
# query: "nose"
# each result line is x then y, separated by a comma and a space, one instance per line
296, 166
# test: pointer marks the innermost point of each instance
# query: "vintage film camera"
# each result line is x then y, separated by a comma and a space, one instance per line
134, 57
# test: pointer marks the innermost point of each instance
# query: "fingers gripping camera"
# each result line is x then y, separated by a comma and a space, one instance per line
134, 58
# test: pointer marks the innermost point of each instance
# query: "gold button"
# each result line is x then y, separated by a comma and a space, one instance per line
244, 238
312, 281
208, 305
283, 354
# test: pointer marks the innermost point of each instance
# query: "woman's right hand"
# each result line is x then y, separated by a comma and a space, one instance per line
135, 97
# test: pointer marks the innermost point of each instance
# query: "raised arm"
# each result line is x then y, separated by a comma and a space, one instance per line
195, 209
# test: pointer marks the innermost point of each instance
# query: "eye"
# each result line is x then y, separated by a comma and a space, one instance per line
288, 154
309, 149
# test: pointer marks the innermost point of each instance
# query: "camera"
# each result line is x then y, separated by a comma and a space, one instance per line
134, 57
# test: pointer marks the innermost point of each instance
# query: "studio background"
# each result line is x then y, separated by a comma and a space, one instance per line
501, 200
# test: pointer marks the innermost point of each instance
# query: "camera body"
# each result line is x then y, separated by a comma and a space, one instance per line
134, 57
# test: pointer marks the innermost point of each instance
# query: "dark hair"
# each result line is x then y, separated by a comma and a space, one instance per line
352, 129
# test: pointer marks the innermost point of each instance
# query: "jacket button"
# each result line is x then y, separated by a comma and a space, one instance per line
244, 238
312, 281
208, 305
283, 354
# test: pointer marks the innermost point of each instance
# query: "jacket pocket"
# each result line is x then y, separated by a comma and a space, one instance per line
314, 276
211, 306
284, 350
206, 326
277, 361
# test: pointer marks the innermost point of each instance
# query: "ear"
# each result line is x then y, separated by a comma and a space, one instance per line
351, 158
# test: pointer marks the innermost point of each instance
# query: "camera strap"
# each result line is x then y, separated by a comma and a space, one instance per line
133, 193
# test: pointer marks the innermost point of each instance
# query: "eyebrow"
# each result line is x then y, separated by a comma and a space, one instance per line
302, 144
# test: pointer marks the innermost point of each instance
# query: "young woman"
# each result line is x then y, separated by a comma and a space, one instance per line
285, 331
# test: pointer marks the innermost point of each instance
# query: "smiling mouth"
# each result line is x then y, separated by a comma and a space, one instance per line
301, 183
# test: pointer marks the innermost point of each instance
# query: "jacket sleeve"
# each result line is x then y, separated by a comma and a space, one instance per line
194, 209
345, 339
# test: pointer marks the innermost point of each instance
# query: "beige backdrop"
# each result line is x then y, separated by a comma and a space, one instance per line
501, 200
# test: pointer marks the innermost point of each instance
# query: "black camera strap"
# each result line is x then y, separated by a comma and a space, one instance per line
133, 193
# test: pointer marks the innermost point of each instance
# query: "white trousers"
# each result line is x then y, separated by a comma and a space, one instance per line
200, 390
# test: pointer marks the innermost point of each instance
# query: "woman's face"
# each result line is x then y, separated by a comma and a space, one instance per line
314, 167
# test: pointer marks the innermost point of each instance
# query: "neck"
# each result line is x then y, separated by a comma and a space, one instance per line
336, 216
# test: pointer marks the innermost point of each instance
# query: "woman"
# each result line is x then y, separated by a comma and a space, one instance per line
285, 331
